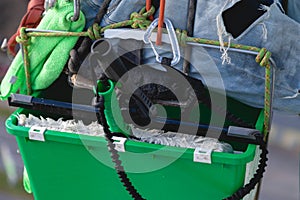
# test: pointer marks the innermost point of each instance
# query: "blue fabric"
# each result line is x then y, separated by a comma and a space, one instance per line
293, 10
242, 77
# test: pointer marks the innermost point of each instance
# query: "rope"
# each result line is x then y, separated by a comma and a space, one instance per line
94, 32
139, 20
181, 37
263, 58
135, 22
24, 40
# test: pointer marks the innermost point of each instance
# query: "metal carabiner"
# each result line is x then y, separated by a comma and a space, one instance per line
76, 10
172, 37
51, 3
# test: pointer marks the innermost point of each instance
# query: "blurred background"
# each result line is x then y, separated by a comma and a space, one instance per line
281, 179
11, 165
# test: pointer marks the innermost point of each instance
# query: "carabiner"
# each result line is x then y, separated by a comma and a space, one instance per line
51, 3
76, 10
172, 37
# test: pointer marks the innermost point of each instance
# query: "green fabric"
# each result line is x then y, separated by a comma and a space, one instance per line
26, 182
47, 55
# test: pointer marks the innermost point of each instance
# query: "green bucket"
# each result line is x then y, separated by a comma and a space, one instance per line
71, 166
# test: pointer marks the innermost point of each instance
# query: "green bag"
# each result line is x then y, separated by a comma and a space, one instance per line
47, 55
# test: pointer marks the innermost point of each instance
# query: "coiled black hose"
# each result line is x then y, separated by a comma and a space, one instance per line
99, 103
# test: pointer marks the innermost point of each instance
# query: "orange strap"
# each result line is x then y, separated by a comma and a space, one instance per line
160, 22
31, 19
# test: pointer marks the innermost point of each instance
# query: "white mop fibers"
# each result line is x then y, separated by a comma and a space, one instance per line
150, 136
70, 126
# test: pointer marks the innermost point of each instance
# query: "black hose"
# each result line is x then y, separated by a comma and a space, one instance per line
242, 192
99, 103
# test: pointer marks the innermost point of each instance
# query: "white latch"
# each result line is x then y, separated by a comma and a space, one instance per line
37, 133
119, 143
203, 155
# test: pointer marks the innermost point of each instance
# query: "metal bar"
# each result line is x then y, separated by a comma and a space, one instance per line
69, 109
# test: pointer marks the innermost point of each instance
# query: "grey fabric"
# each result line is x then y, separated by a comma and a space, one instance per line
293, 9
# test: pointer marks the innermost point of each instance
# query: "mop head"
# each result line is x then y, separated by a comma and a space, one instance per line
69, 126
149, 136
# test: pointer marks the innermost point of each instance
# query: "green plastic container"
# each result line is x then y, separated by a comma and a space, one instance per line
76, 167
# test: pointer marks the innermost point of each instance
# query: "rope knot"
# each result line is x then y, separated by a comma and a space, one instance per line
94, 31
263, 57
23, 38
140, 20
181, 37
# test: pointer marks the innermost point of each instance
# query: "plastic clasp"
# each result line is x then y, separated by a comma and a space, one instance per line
241, 132
172, 37
37, 133
202, 155
119, 143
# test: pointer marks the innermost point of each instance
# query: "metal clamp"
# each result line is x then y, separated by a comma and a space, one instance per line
37, 133
202, 155
119, 143
172, 37
51, 3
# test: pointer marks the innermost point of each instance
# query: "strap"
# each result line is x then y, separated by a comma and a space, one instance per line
102, 11
190, 31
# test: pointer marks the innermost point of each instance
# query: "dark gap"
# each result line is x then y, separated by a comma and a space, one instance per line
240, 16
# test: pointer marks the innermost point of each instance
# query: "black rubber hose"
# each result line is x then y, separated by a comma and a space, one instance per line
242, 192
99, 103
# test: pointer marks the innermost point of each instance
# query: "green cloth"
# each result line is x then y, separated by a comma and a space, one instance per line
26, 181
47, 55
